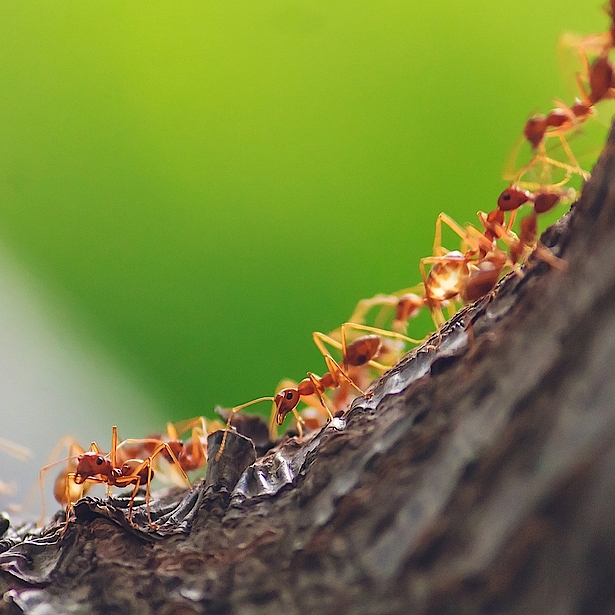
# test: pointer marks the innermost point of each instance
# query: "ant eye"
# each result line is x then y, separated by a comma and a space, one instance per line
289, 395
99, 461
506, 196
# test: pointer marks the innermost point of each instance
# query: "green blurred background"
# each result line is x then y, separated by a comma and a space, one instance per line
197, 186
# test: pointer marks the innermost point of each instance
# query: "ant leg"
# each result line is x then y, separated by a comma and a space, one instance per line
320, 339
174, 430
545, 255
365, 305
317, 387
232, 412
299, 422
584, 174
334, 367
511, 221
438, 317
133, 495
147, 463
164, 446
74, 450
471, 237
586, 70
113, 452
273, 426
15, 450
451, 309
382, 332
150, 475
70, 476
430, 303
135, 476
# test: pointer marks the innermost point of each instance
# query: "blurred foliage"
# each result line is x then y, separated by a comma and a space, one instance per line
205, 183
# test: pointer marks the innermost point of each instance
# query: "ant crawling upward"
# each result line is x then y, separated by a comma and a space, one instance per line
361, 352
453, 276
597, 83
542, 201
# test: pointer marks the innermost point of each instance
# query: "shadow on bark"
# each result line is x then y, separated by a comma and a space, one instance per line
477, 479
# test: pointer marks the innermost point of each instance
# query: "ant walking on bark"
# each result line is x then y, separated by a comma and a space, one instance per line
448, 276
94, 467
360, 352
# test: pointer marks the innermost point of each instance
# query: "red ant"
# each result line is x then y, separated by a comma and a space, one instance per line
563, 119
190, 455
360, 352
453, 275
94, 467
542, 201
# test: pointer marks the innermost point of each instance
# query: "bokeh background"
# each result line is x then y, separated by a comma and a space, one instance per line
188, 189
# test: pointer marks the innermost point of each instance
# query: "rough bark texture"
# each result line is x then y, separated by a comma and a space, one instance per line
477, 479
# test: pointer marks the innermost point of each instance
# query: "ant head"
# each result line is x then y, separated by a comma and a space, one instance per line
90, 464
513, 198
534, 129
285, 401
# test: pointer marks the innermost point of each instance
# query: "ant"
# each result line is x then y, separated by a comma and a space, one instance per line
599, 44
189, 455
453, 276
600, 79
542, 201
360, 352
94, 467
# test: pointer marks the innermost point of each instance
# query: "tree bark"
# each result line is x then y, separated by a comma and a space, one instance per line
478, 478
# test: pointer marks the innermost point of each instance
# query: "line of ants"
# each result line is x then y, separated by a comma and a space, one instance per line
449, 278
